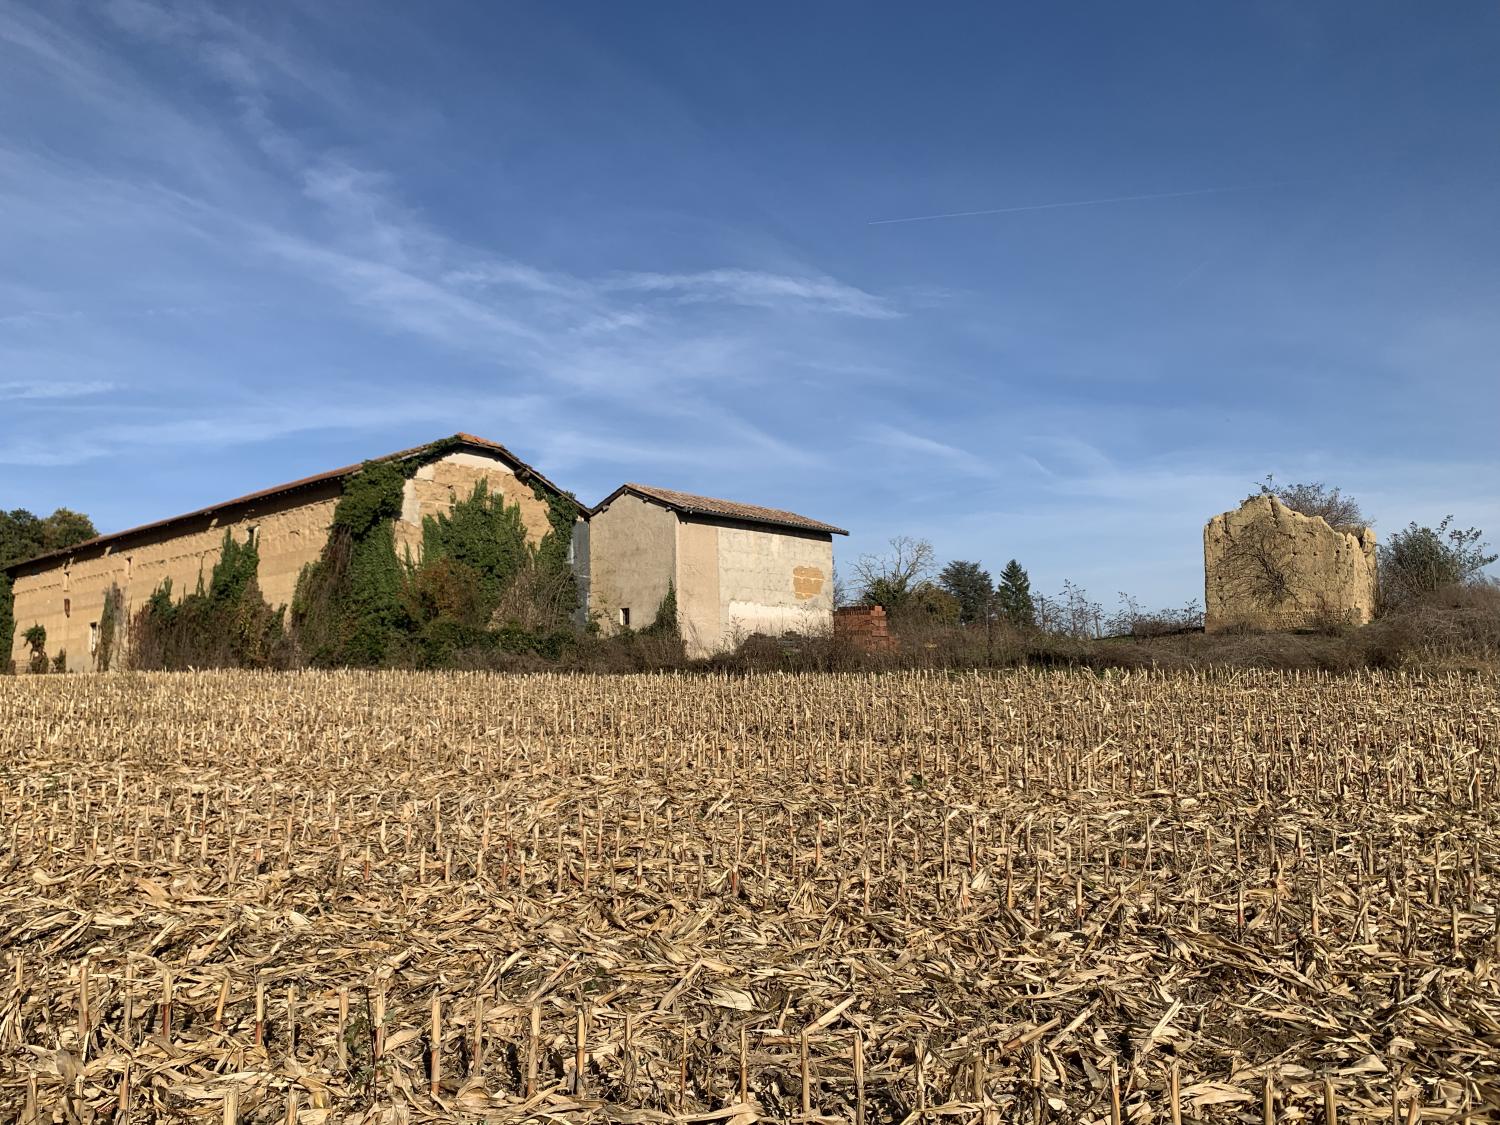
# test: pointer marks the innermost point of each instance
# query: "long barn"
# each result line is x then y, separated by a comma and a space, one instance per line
733, 569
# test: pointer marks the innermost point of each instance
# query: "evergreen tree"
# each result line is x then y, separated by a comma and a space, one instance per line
1013, 596
971, 586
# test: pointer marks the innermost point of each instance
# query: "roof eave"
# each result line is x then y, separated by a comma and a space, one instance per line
524, 473
722, 517
708, 514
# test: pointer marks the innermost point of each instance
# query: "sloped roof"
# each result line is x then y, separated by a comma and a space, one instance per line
689, 504
458, 441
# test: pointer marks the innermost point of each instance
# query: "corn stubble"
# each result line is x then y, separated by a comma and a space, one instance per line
910, 897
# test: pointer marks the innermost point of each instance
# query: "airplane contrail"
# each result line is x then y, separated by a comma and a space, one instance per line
1069, 203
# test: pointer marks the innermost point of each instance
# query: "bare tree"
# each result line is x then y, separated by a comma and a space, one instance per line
893, 579
1258, 568
841, 596
1314, 498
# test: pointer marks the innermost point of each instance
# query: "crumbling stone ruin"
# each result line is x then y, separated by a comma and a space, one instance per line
1267, 567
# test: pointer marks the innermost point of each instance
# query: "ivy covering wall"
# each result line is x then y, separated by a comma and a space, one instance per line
7, 624
348, 608
111, 619
224, 623
478, 585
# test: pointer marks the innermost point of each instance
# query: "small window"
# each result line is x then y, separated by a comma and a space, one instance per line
67, 607
93, 637
624, 618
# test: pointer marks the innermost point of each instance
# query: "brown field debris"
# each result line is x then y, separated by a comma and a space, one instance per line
914, 897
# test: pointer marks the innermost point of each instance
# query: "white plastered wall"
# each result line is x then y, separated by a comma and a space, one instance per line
734, 580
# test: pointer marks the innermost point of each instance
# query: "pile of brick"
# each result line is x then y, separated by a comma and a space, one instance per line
864, 627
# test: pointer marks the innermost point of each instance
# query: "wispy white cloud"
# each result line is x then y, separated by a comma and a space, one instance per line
904, 441
248, 421
617, 335
759, 289
52, 389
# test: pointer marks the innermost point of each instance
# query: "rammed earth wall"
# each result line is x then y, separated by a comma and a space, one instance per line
1268, 567
65, 594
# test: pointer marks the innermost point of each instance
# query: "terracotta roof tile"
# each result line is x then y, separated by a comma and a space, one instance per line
690, 504
522, 469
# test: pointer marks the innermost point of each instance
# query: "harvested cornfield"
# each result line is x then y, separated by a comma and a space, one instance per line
874, 898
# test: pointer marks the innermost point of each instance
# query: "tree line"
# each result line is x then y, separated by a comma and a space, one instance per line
478, 586
1415, 563
25, 535
906, 580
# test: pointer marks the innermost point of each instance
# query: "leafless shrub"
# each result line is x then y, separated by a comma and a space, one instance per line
539, 597
1314, 498
1258, 569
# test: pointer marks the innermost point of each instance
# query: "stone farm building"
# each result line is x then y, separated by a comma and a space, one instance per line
734, 569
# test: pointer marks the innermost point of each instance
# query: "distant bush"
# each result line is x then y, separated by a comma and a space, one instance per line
1133, 620
1417, 563
1454, 626
1458, 628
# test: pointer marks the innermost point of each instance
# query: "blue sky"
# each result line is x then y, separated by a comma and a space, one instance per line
647, 242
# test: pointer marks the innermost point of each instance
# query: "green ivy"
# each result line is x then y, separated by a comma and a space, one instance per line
7, 624
665, 624
361, 605
370, 497
376, 612
223, 623
552, 552
348, 607
36, 640
484, 534
109, 624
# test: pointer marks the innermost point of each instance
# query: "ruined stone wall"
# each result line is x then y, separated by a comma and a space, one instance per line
1267, 567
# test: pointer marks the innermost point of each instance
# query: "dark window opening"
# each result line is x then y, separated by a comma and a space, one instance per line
625, 618
67, 607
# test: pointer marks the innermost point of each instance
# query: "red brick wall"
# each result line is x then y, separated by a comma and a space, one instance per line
864, 626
